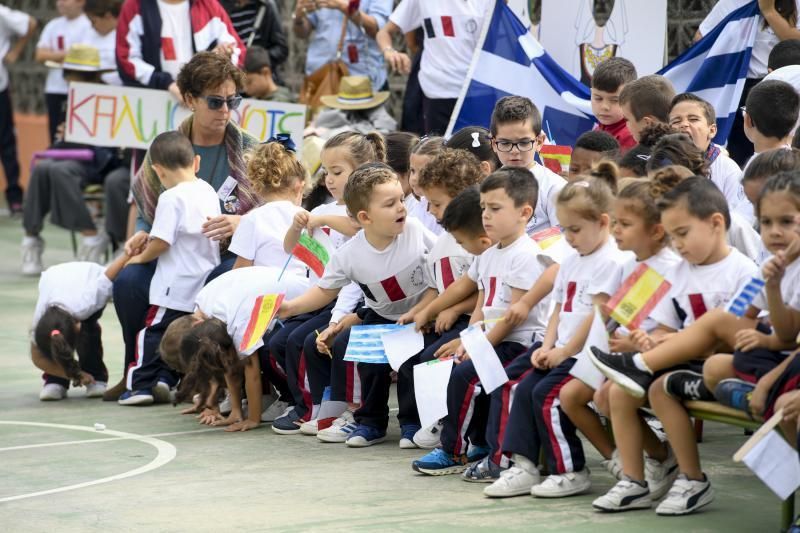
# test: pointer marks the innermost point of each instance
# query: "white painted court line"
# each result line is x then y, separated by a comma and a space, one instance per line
166, 453
110, 439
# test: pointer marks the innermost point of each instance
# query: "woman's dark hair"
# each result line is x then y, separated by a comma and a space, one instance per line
678, 149
788, 182
787, 9
207, 70
467, 138
700, 196
207, 354
56, 337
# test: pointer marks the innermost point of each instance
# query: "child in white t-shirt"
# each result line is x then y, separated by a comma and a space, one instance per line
66, 320
416, 203
517, 136
71, 27
695, 215
387, 259
185, 258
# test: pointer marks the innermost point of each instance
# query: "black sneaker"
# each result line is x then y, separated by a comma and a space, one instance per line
687, 385
620, 368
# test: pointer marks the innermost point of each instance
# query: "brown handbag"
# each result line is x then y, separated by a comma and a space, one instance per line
325, 80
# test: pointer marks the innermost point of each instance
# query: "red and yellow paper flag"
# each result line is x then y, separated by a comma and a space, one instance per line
547, 237
264, 310
637, 297
313, 253
556, 158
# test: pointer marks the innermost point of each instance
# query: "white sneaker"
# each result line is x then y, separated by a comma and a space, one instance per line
52, 392
340, 430
614, 465
276, 410
162, 393
93, 249
515, 481
429, 437
660, 476
225, 404
560, 485
96, 389
32, 250
626, 495
686, 496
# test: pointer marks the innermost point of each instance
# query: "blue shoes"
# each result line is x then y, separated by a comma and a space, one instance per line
437, 462
137, 397
407, 433
288, 424
363, 436
734, 393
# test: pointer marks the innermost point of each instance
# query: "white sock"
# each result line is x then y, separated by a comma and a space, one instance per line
93, 240
524, 463
30, 241
638, 360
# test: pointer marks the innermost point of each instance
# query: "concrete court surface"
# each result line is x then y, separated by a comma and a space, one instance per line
196, 479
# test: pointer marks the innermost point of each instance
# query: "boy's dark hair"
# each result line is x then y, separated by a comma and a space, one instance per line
636, 159
398, 150
678, 149
515, 109
255, 59
613, 73
649, 96
465, 140
450, 170
207, 353
771, 162
787, 181
708, 109
702, 199
358, 189
518, 183
172, 150
56, 338
99, 8
773, 106
463, 213
597, 141
783, 54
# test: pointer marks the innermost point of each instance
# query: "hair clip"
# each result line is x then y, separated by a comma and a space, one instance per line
55, 332
285, 140
476, 143
643, 157
581, 183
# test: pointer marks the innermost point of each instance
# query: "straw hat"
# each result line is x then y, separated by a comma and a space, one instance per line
355, 92
82, 57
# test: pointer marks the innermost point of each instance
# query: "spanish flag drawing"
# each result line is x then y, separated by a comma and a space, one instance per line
637, 297
264, 310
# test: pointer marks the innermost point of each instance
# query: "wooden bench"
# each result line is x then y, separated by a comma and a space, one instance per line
716, 412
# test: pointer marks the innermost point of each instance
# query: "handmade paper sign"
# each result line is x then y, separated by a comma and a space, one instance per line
481, 352
430, 389
637, 297
264, 310
365, 344
313, 253
584, 369
738, 306
556, 158
401, 344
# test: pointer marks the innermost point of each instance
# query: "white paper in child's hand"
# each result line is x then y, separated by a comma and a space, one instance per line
584, 369
430, 389
401, 345
776, 464
482, 354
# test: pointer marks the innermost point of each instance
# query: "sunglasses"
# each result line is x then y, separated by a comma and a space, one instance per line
215, 102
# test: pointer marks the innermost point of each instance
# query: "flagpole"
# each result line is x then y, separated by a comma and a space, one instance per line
284, 267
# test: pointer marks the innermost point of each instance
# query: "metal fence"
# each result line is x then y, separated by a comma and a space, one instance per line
684, 16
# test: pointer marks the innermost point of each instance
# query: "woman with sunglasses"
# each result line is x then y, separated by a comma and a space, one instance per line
209, 84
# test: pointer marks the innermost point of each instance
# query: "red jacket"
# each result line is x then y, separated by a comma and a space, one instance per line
619, 130
139, 39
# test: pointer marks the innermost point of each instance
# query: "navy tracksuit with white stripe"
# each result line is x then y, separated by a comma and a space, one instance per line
148, 368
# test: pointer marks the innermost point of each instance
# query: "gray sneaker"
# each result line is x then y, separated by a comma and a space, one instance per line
483, 471
32, 250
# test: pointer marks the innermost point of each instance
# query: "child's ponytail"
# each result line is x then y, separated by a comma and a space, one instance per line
378, 144
56, 337
606, 171
272, 168
361, 148
667, 178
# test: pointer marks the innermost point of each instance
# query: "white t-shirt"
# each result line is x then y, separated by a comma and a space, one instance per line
393, 279
727, 176
181, 271
13, 24
447, 262
497, 271
790, 288
698, 288
579, 279
550, 184
452, 29
664, 262
232, 297
79, 288
176, 36
106, 45
419, 210
743, 237
259, 237
765, 38
58, 35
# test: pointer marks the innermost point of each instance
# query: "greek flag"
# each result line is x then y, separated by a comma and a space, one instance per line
739, 305
365, 344
510, 61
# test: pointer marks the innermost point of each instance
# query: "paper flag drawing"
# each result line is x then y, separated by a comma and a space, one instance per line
637, 296
402, 344
313, 253
430, 389
262, 315
488, 366
738, 306
365, 344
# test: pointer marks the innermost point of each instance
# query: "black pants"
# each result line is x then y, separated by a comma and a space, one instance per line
8, 150
90, 352
413, 121
56, 112
56, 187
148, 368
116, 187
739, 147
436, 114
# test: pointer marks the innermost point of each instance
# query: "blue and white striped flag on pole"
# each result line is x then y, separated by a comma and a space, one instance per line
509, 60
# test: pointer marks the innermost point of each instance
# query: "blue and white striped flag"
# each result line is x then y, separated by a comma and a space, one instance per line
509, 60
365, 344
739, 305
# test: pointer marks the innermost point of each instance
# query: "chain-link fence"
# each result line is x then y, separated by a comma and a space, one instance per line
684, 16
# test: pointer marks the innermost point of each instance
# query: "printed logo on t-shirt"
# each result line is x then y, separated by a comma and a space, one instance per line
571, 286
60, 42
446, 26
576, 299
168, 49
396, 288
